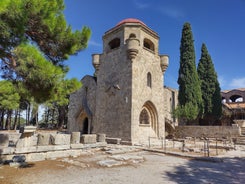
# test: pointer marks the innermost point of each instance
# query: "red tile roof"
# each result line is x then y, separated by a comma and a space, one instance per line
130, 20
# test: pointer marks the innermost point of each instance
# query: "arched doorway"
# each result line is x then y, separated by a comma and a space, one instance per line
85, 126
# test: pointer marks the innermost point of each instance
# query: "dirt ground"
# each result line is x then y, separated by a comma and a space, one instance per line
155, 168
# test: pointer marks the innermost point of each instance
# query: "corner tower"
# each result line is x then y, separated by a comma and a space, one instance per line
130, 79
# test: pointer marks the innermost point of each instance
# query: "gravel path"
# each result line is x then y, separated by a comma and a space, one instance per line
155, 169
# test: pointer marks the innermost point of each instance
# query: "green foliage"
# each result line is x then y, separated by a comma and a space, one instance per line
36, 73
57, 106
9, 98
186, 112
189, 84
65, 88
34, 36
209, 85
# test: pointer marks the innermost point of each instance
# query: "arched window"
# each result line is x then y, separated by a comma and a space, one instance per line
132, 35
115, 43
144, 117
149, 79
149, 44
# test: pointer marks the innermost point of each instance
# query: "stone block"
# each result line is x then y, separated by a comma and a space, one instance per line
113, 140
57, 154
61, 147
33, 157
75, 137
77, 146
28, 129
26, 150
45, 148
26, 142
61, 139
88, 138
13, 138
4, 140
43, 139
7, 150
101, 137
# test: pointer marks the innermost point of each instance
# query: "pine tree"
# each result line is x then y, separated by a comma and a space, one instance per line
9, 100
189, 84
210, 87
35, 40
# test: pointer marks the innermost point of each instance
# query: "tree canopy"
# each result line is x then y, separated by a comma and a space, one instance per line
9, 98
189, 84
210, 86
34, 41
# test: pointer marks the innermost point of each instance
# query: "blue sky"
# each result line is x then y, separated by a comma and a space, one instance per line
220, 24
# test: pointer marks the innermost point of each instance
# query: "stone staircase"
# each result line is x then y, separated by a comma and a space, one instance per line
241, 138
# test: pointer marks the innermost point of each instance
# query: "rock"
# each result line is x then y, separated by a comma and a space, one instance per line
110, 163
19, 158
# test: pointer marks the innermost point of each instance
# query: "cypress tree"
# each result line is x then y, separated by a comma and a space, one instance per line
210, 87
189, 84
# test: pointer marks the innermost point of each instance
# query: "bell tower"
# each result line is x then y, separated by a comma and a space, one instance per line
130, 78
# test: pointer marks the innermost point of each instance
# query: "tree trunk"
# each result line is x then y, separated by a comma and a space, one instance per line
8, 120
28, 114
61, 117
15, 119
1, 118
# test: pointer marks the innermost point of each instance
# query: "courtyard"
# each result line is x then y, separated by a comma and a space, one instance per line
117, 164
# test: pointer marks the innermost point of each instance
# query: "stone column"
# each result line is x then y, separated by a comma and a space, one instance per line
75, 137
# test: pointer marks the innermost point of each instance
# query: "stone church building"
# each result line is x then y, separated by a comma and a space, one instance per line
125, 98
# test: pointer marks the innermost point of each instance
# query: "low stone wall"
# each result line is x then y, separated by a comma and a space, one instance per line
207, 131
43, 145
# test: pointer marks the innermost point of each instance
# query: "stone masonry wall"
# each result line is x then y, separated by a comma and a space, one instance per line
82, 103
207, 131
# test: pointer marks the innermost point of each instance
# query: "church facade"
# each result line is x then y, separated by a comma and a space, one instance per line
125, 98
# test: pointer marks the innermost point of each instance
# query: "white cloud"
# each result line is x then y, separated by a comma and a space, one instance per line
238, 83
222, 81
171, 12
93, 43
141, 5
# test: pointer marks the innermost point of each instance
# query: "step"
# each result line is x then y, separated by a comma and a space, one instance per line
241, 140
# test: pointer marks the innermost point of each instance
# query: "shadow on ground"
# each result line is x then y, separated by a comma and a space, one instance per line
231, 170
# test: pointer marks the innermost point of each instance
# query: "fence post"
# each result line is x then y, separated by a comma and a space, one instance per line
216, 146
208, 146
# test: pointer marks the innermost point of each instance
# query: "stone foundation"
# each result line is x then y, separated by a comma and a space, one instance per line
43, 146
207, 131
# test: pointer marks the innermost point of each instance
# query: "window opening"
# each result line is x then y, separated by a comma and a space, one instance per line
115, 43
149, 79
144, 117
132, 35
148, 44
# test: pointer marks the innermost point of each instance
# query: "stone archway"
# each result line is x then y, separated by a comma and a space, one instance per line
148, 110
84, 123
